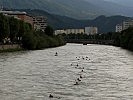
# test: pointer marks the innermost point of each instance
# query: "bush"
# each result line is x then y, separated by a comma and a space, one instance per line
29, 41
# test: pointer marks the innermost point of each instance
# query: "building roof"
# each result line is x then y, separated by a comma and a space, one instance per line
129, 20
119, 24
13, 12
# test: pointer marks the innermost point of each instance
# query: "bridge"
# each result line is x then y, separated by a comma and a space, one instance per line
85, 42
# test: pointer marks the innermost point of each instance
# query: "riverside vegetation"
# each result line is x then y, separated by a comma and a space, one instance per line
14, 31
123, 39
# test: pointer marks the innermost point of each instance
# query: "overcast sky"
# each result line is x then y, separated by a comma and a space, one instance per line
123, 2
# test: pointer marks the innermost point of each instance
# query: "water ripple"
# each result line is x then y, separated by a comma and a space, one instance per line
106, 73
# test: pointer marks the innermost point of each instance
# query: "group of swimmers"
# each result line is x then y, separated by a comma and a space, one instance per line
78, 80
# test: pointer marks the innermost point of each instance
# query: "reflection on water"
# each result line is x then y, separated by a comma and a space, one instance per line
33, 75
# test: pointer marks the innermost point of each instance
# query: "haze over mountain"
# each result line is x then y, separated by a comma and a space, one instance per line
127, 3
112, 7
80, 9
104, 24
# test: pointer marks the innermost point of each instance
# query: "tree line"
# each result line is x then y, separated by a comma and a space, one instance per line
17, 31
123, 39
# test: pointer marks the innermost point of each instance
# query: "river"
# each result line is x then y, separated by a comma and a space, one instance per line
34, 75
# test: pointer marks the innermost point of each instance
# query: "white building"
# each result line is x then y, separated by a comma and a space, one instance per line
74, 31
69, 31
119, 27
91, 30
59, 32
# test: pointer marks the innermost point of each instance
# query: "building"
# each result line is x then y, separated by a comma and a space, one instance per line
69, 31
91, 30
119, 27
19, 15
40, 23
37, 22
59, 32
127, 24
26, 18
74, 31
124, 25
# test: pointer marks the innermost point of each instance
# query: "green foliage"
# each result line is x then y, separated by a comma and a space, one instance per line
21, 32
21, 29
29, 41
123, 39
126, 38
14, 28
116, 38
49, 31
4, 27
42, 43
130, 44
39, 40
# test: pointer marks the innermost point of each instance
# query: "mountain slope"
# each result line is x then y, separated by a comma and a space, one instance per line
80, 9
72, 8
112, 7
104, 24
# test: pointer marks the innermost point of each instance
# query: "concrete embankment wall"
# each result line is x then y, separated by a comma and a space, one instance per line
6, 47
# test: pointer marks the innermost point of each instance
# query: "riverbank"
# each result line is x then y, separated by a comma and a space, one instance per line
22, 49
19, 32
102, 42
17, 47
123, 39
37, 41
10, 48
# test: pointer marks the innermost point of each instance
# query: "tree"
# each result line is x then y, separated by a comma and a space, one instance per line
21, 29
4, 27
29, 41
49, 31
14, 28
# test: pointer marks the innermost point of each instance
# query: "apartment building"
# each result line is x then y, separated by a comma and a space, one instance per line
124, 25
119, 27
91, 30
59, 32
75, 31
40, 23
69, 31
127, 24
